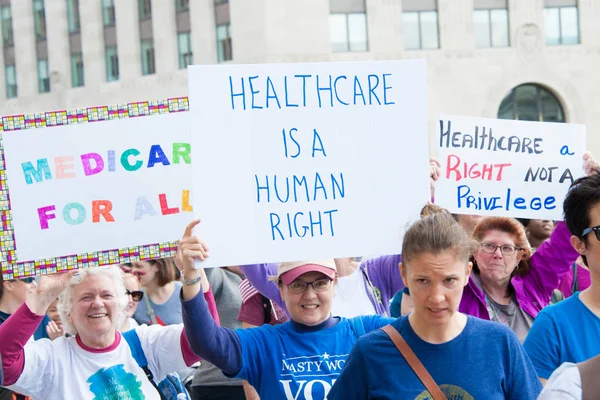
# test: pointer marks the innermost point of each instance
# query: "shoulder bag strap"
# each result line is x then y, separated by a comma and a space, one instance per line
575, 285
150, 310
414, 362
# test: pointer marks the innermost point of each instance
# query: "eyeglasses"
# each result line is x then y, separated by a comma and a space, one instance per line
505, 249
320, 285
24, 280
596, 230
136, 295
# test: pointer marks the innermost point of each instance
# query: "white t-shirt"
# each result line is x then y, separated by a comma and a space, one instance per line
350, 298
62, 369
564, 384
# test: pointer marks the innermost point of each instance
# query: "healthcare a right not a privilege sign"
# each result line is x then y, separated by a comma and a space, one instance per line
510, 168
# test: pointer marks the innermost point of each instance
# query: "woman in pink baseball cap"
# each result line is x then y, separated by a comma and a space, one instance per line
299, 359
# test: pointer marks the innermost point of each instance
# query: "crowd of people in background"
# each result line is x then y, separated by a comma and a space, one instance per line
471, 307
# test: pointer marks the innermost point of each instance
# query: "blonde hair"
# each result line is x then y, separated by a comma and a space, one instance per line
65, 300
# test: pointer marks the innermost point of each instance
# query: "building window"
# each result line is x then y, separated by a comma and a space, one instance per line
7, 30
108, 13
491, 28
224, 48
73, 16
148, 64
530, 102
184, 45
112, 63
43, 76
348, 32
420, 30
10, 81
39, 19
561, 25
77, 70
182, 5
144, 9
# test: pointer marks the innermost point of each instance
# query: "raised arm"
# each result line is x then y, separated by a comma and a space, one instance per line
258, 275
218, 345
16, 331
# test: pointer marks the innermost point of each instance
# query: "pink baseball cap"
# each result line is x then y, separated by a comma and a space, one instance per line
290, 271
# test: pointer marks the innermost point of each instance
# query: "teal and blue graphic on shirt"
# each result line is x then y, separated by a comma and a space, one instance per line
115, 383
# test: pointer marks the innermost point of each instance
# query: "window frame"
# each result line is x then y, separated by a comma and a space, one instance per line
43, 81
222, 52
39, 20
109, 15
148, 57
111, 63
490, 28
183, 57
560, 27
420, 29
8, 35
539, 92
77, 75
74, 24
9, 87
348, 43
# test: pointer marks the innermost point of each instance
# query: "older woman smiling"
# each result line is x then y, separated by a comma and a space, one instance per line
95, 362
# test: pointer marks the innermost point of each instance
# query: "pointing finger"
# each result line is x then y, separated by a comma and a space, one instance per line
190, 227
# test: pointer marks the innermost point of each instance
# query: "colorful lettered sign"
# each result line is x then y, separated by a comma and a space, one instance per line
502, 167
308, 160
94, 186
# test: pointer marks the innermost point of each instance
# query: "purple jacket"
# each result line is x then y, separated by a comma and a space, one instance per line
381, 277
549, 264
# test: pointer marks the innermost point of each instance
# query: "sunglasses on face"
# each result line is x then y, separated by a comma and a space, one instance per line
136, 295
595, 229
24, 280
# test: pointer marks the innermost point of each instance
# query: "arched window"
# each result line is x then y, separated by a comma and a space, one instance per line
530, 102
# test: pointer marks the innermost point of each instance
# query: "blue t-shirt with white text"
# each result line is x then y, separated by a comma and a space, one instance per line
284, 363
485, 361
564, 332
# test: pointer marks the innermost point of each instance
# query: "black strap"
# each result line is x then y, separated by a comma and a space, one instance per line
575, 285
151, 379
268, 308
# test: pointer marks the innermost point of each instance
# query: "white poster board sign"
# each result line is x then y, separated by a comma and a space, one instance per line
510, 168
90, 187
297, 161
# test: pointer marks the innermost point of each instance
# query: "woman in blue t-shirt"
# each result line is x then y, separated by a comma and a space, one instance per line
467, 357
299, 359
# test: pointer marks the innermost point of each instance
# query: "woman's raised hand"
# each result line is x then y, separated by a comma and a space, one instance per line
190, 248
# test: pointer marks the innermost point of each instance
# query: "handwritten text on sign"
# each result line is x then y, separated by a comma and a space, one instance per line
312, 158
501, 167
96, 186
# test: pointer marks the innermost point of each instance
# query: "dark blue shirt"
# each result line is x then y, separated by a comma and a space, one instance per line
485, 361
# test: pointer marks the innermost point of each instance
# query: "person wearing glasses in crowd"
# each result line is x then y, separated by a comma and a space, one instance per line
134, 295
299, 359
569, 331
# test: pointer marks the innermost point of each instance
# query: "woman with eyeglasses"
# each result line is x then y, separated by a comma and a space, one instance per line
134, 295
299, 359
510, 285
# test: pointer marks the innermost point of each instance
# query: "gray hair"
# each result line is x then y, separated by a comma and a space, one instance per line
65, 300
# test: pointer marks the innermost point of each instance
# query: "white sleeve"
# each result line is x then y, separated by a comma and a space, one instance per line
37, 378
162, 348
564, 384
